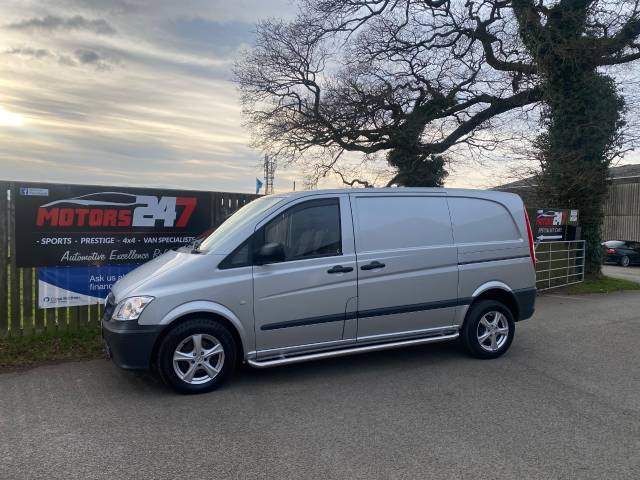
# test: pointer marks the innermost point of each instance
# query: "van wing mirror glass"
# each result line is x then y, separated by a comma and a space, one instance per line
270, 253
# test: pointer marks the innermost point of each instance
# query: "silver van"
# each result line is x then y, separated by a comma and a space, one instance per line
319, 274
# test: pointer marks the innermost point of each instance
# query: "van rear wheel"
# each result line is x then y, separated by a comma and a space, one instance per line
488, 329
197, 356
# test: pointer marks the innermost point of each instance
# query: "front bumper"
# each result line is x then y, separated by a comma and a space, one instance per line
129, 344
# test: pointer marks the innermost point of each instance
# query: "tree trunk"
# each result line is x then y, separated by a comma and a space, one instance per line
417, 170
583, 117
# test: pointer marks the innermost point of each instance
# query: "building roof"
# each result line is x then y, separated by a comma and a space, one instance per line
623, 172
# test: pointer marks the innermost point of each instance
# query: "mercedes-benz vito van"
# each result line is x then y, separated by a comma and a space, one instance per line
319, 274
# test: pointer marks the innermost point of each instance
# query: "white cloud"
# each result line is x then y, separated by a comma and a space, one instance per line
53, 23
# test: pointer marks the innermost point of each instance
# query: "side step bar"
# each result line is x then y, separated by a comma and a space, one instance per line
349, 351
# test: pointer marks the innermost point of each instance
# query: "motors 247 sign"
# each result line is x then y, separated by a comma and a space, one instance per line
551, 224
59, 225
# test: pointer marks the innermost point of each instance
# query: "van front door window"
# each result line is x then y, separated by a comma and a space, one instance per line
307, 231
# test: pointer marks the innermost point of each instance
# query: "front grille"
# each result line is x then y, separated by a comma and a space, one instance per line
109, 307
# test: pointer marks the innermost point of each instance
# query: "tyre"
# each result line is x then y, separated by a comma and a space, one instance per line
625, 261
197, 356
488, 329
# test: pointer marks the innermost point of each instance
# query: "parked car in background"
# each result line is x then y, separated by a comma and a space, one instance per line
312, 275
622, 252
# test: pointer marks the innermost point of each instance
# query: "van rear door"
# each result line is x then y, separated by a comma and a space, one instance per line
407, 265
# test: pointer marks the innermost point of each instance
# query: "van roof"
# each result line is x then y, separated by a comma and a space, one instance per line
395, 190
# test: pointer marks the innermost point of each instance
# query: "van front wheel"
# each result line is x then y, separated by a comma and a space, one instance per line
196, 356
488, 330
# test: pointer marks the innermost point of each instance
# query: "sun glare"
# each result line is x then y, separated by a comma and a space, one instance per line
10, 119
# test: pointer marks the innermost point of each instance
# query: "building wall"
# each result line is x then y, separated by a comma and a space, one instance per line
622, 212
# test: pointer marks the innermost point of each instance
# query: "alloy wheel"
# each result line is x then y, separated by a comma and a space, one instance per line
198, 359
492, 331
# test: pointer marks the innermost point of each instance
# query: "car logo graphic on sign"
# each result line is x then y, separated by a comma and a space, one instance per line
116, 209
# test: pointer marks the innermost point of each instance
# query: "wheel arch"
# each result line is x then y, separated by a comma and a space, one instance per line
204, 310
499, 292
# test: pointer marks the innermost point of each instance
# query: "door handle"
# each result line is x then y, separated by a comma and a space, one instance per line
373, 265
340, 269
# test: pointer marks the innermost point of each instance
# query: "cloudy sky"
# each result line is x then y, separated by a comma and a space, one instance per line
134, 92
126, 91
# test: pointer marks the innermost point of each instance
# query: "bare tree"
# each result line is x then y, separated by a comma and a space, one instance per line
416, 78
567, 45
402, 78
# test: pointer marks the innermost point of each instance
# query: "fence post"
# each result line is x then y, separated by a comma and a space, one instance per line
214, 201
4, 259
38, 318
26, 304
14, 297
568, 252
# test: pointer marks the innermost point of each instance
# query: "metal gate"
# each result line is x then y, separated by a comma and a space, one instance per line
559, 264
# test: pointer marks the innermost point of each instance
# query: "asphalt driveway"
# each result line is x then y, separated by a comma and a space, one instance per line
563, 403
631, 273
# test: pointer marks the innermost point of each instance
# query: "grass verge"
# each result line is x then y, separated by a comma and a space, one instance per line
601, 284
29, 351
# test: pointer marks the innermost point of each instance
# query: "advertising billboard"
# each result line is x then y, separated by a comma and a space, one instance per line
75, 286
79, 225
551, 224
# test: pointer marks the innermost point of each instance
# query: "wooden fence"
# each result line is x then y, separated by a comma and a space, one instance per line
19, 312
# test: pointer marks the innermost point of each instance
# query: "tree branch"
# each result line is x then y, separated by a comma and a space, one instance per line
498, 107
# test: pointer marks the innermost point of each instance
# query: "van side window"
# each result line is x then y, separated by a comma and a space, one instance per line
240, 257
307, 230
386, 222
476, 220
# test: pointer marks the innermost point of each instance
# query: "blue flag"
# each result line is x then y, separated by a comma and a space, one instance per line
258, 185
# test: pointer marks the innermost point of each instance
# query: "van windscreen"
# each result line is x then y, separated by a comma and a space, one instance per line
246, 214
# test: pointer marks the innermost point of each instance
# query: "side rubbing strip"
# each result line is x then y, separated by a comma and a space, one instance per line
493, 260
376, 312
339, 317
416, 307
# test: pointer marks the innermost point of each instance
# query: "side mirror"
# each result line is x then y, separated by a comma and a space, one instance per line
270, 253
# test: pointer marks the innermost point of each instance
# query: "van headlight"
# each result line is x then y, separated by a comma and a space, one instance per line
130, 308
